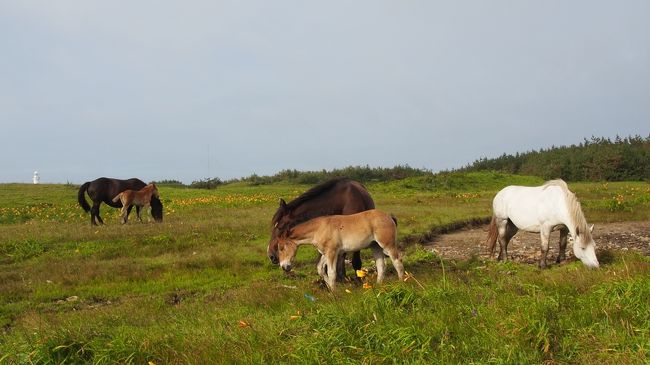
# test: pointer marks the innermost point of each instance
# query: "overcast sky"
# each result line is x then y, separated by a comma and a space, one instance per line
195, 89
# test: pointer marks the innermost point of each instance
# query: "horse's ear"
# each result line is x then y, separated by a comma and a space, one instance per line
591, 228
283, 204
577, 231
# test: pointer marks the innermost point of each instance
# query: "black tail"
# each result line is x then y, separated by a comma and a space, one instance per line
81, 197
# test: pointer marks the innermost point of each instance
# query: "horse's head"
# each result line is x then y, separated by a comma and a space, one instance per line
280, 222
584, 247
287, 249
156, 209
154, 190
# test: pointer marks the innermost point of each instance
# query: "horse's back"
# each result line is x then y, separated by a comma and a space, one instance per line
362, 223
359, 198
528, 207
104, 189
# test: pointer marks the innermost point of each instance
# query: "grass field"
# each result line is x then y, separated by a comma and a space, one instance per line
198, 288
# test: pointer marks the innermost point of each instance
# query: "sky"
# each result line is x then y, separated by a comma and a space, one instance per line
196, 89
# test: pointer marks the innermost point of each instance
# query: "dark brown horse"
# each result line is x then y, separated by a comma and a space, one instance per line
336, 196
105, 189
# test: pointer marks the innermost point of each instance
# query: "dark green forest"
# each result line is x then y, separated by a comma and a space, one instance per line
596, 159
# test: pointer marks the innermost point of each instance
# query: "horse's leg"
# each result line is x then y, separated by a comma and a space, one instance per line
378, 254
124, 213
321, 267
332, 258
128, 211
544, 234
356, 260
502, 228
564, 234
511, 231
94, 214
340, 267
137, 212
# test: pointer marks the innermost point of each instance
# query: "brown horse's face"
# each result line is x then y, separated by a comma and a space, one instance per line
284, 218
286, 252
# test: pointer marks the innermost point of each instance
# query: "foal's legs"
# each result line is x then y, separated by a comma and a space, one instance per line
564, 233
378, 254
321, 267
331, 258
544, 234
124, 213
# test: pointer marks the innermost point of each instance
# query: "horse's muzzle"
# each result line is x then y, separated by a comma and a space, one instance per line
286, 268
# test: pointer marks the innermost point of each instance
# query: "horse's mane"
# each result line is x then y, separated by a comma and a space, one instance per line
575, 209
306, 196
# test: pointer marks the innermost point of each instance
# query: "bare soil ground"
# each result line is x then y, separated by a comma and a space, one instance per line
525, 247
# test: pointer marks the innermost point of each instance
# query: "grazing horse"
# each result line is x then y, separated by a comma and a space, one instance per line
336, 234
140, 198
336, 196
105, 189
542, 209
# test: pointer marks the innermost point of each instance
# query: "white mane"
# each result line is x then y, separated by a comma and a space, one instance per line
573, 205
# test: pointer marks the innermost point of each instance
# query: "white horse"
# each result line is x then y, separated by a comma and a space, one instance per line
542, 209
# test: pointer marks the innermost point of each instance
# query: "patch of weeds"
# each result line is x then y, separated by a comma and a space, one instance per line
22, 250
160, 239
392, 298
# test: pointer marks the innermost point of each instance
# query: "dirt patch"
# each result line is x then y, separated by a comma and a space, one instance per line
525, 247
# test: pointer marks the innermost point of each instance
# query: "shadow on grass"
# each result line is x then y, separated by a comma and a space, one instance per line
606, 257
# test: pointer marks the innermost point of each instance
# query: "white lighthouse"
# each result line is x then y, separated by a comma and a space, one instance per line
36, 179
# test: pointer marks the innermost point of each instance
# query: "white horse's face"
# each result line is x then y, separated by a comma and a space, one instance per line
586, 251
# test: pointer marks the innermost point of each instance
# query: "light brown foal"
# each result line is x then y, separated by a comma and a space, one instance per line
140, 198
335, 234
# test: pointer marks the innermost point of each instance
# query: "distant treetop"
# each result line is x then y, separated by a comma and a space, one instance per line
595, 159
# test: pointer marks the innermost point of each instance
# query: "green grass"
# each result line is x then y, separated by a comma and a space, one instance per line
198, 288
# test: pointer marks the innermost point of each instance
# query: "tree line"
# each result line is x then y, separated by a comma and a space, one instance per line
595, 159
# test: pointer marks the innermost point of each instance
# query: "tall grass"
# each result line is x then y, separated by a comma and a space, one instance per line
198, 288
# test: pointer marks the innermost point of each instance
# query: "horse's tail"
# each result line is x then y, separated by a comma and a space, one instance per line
492, 235
81, 196
117, 197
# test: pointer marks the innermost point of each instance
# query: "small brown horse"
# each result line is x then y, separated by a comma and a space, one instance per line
103, 189
336, 234
336, 196
140, 198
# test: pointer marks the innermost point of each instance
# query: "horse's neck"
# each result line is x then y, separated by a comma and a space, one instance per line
574, 217
304, 233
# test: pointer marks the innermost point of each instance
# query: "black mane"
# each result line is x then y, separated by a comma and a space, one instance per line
310, 194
